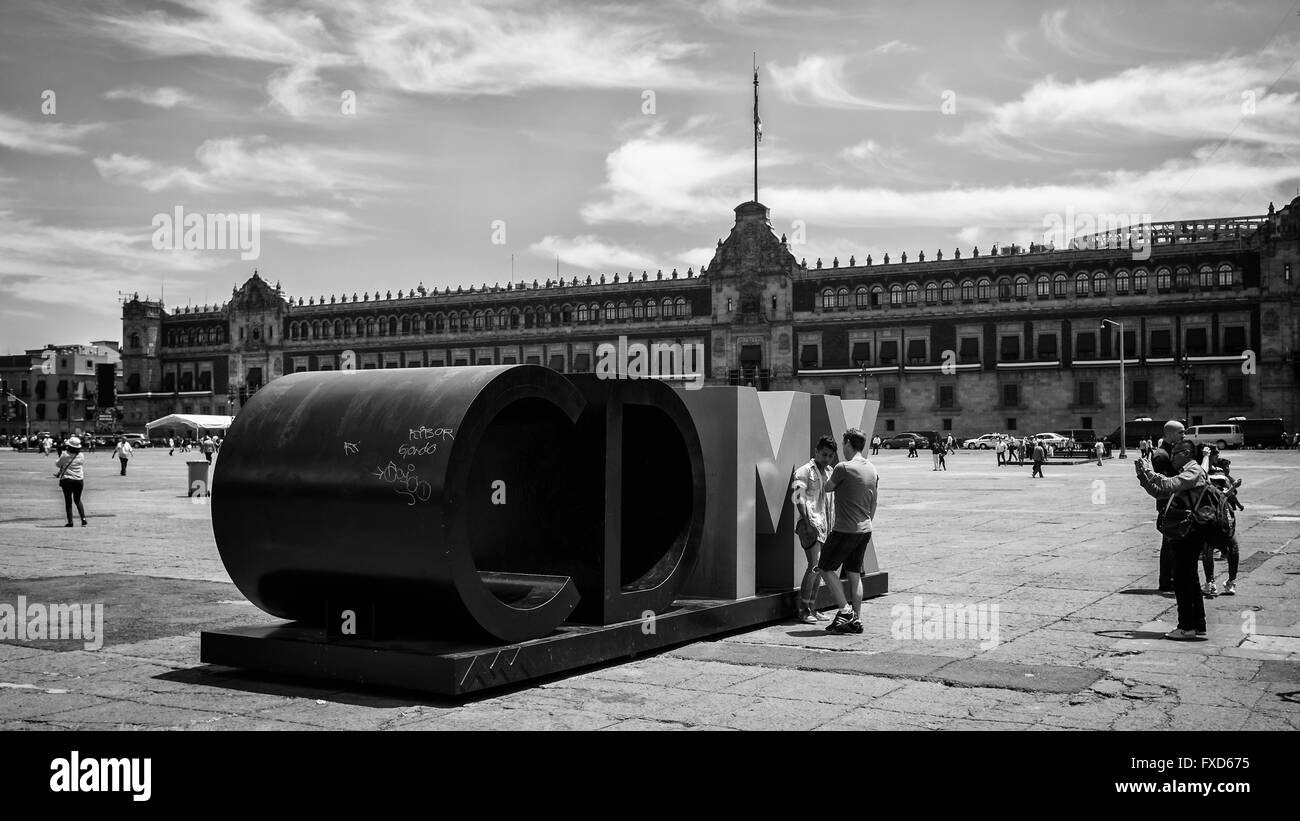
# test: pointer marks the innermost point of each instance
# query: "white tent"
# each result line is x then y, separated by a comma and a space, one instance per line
200, 423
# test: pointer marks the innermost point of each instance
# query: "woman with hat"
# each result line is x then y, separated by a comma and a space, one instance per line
72, 476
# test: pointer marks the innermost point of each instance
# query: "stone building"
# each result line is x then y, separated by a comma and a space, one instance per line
64, 387
1009, 340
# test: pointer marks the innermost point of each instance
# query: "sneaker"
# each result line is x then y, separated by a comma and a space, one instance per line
820, 616
838, 624
1230, 589
807, 617
854, 626
1210, 590
1183, 635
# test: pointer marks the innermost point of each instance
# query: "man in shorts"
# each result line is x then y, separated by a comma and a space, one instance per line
854, 483
815, 509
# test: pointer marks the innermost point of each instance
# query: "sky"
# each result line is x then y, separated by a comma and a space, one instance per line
381, 146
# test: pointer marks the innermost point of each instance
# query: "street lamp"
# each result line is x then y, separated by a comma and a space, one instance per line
1123, 415
1186, 372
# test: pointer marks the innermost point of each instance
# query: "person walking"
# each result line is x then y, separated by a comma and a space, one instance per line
1097, 450
911, 449
1000, 447
72, 479
943, 456
171, 445
123, 453
1186, 549
1039, 457
208, 448
855, 484
816, 511
936, 447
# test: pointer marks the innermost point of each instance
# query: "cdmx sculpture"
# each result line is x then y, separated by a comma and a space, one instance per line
453, 529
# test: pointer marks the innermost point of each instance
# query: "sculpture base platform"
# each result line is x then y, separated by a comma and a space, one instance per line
459, 669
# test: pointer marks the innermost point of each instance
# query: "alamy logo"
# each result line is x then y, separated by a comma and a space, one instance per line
77, 774
54, 622
654, 361
208, 232
1091, 232
951, 622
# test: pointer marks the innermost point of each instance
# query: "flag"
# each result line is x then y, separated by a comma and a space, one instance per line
758, 122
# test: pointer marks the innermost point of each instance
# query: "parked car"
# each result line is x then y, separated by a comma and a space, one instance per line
985, 442
1221, 436
904, 440
930, 436
1056, 440
1137, 430
137, 440
1082, 437
1260, 433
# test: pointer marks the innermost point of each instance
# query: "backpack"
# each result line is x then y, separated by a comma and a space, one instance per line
1207, 515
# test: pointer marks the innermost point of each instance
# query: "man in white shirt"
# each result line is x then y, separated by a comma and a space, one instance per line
123, 453
815, 510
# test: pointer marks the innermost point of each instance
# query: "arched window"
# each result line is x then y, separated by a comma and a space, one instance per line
478, 320
877, 296
623, 311
842, 298
503, 319
293, 333
931, 293
861, 297
608, 314
392, 326
135, 340
682, 307
464, 320
489, 320
1205, 275
668, 308
583, 314
1099, 283
638, 309
1140, 281
370, 326
1059, 285
1121, 281
1042, 286
967, 291
347, 327
1183, 277
1004, 289
1082, 285
1022, 287
428, 323
895, 294
828, 299
946, 291
651, 309
1225, 275
1162, 279
406, 324
911, 292
985, 289
315, 330
439, 322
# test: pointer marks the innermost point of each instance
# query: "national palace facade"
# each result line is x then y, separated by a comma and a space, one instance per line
1005, 341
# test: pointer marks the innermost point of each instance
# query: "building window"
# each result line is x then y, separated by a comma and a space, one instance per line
1009, 349
623, 310
1010, 394
808, 356
1162, 343
967, 291
1205, 276
931, 293
861, 353
889, 425
1183, 278
651, 309
1042, 287
947, 423
911, 293
1059, 285
1121, 282
947, 397
1225, 275
946, 292
1236, 390
1130, 345
828, 299
1087, 393
583, 315
1004, 289
985, 290
1141, 392
1196, 342
968, 350
135, 340
1099, 284
1047, 347
877, 296
895, 295
842, 298
1082, 285
889, 352
1011, 423
1022, 287
1085, 345
916, 352
1162, 280
1234, 339
889, 397
861, 297
1140, 281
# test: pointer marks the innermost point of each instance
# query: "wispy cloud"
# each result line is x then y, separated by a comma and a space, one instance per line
594, 254
165, 97
818, 80
256, 163
46, 138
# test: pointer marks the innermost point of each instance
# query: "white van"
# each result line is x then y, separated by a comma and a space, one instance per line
1221, 436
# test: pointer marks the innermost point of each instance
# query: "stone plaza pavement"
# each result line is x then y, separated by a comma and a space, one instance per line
1069, 561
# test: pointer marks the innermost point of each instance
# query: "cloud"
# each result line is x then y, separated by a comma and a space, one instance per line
1193, 100
894, 47
44, 138
166, 97
594, 254
313, 226
818, 80
255, 163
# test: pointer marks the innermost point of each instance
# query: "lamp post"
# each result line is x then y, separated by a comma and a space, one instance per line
1123, 414
1185, 370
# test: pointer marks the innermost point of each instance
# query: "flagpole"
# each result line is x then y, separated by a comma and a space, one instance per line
755, 126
